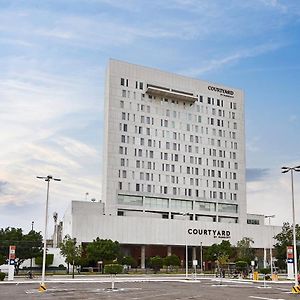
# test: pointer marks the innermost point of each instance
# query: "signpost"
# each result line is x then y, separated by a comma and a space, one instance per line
195, 263
11, 262
290, 262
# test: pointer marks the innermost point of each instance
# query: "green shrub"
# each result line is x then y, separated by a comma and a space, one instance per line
265, 271
241, 265
129, 261
113, 269
2, 276
172, 260
156, 263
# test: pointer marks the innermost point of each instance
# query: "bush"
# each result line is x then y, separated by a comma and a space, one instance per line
156, 263
172, 260
129, 261
265, 271
2, 276
113, 269
241, 265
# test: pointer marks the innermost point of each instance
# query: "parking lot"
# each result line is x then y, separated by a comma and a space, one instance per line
149, 289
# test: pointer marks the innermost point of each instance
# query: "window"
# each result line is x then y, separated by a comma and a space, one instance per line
206, 206
122, 162
123, 93
130, 200
231, 208
120, 213
122, 81
253, 221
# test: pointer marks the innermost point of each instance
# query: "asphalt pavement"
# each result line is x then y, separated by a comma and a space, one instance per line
146, 287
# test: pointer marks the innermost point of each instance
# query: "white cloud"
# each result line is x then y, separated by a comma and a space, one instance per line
272, 195
218, 63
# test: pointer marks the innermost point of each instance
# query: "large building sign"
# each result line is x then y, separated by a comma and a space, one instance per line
223, 92
223, 234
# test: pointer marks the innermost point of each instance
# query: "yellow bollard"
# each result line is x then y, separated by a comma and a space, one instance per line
255, 276
274, 277
42, 288
296, 289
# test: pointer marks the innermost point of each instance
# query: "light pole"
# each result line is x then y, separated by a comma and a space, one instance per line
186, 247
31, 255
271, 258
285, 170
47, 178
201, 257
86, 195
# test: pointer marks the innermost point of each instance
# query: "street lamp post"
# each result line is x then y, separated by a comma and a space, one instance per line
285, 170
47, 179
31, 255
201, 257
186, 246
271, 258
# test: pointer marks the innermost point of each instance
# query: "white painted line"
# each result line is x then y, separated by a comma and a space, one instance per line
264, 298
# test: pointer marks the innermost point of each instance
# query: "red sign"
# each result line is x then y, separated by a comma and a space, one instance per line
289, 252
12, 252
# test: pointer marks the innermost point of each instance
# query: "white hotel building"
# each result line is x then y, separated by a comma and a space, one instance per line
174, 167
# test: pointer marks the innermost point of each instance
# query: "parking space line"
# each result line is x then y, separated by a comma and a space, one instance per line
265, 298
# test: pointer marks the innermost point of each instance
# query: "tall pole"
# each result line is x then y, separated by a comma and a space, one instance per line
294, 231
285, 170
45, 235
201, 258
271, 258
47, 179
31, 255
186, 249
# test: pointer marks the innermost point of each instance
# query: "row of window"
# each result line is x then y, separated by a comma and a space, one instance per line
176, 191
187, 148
182, 126
216, 184
178, 204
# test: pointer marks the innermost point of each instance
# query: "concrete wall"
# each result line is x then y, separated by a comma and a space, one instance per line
87, 225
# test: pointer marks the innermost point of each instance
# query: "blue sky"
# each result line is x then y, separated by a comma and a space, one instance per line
53, 56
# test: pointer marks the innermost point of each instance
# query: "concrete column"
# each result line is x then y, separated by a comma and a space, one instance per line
143, 254
169, 251
194, 255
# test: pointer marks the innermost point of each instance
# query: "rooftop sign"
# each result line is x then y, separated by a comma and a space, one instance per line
223, 92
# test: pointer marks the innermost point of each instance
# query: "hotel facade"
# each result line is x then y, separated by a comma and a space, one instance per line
173, 167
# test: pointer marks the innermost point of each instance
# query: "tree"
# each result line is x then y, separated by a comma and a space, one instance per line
71, 252
284, 239
102, 250
49, 260
128, 261
156, 263
27, 245
172, 261
244, 250
220, 251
